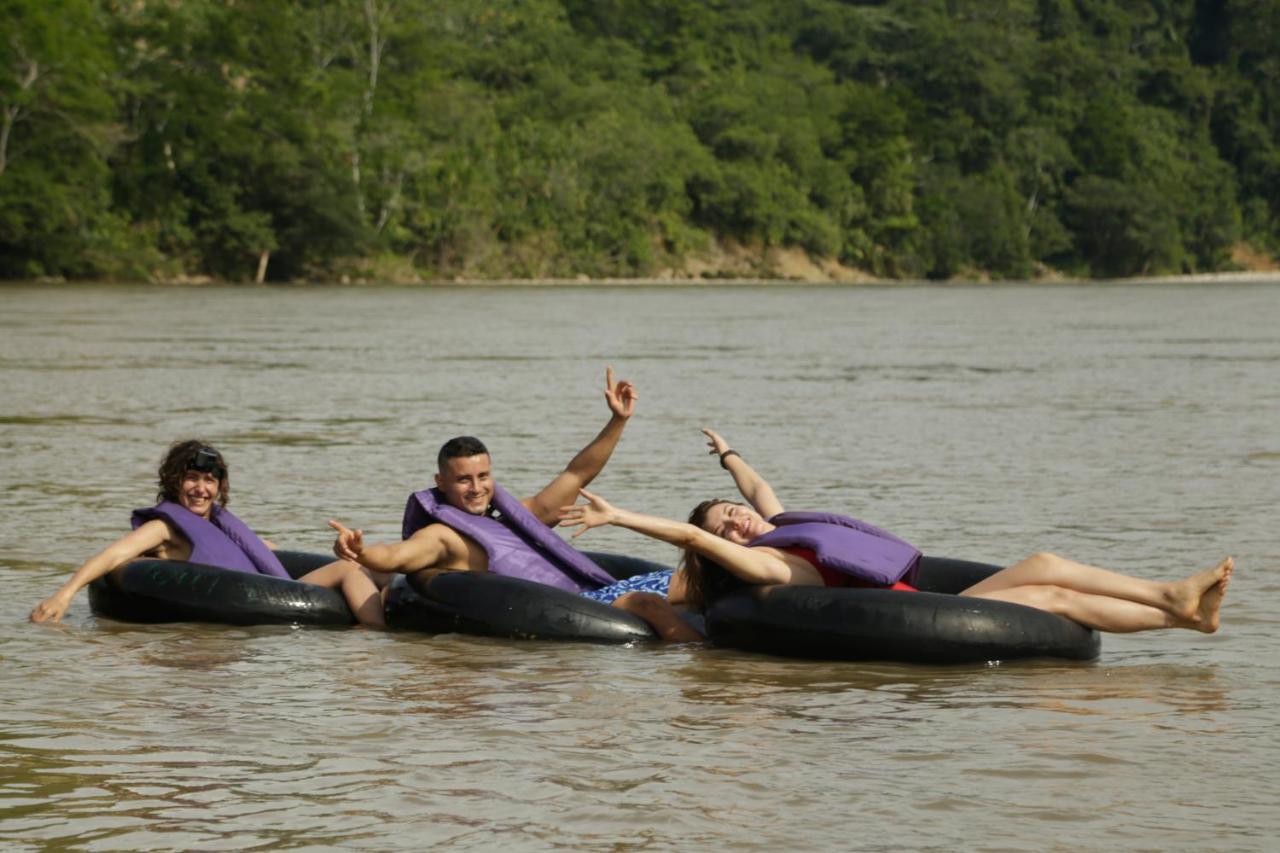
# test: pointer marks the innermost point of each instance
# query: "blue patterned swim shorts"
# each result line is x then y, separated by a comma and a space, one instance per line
653, 582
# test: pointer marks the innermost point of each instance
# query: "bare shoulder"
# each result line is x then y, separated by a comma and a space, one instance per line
768, 553
451, 550
156, 528
545, 505
154, 539
801, 571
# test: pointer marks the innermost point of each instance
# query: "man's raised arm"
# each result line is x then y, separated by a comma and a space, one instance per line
590, 461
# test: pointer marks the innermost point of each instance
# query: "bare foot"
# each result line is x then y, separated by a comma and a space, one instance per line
1184, 596
1210, 603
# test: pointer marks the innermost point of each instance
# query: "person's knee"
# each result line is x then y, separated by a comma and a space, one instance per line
1045, 558
358, 580
378, 579
639, 603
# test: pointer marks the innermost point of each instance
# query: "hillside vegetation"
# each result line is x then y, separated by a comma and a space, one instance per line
406, 139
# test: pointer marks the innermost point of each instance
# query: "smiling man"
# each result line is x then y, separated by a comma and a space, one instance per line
467, 522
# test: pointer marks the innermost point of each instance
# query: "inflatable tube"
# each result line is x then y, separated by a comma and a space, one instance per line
491, 605
154, 591
931, 626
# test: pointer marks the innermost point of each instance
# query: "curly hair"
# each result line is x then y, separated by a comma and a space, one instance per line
179, 460
707, 580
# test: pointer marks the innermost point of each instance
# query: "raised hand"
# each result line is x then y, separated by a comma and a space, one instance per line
621, 396
350, 543
596, 512
717, 444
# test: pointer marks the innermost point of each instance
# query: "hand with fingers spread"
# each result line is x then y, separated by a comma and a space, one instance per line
596, 512
350, 543
715, 441
621, 395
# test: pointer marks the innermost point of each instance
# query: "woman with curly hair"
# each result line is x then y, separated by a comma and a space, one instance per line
190, 522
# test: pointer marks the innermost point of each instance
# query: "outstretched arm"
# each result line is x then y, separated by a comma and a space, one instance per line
590, 461
750, 484
423, 550
148, 536
752, 565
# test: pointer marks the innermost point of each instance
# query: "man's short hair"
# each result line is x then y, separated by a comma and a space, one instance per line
462, 447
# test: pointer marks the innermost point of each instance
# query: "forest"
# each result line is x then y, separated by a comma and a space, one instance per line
442, 140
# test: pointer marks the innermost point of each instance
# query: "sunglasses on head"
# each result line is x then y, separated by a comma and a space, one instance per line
208, 461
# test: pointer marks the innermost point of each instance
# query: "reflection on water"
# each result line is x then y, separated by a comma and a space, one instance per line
1128, 426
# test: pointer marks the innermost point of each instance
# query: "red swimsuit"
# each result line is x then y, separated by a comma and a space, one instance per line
831, 577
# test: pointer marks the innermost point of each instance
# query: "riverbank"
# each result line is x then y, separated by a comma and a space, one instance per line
1196, 278
729, 262
1262, 277
734, 265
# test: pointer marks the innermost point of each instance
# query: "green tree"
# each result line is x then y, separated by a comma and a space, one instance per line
57, 131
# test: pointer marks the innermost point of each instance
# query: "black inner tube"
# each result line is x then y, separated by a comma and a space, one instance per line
496, 606
932, 626
159, 591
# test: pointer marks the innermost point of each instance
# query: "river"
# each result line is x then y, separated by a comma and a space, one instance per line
1132, 426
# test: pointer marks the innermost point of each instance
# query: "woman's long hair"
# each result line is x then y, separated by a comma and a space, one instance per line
707, 580
178, 461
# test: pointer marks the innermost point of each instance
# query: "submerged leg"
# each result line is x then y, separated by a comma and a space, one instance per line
660, 615
357, 586
1180, 599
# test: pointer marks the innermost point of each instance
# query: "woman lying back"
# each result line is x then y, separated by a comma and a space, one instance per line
729, 544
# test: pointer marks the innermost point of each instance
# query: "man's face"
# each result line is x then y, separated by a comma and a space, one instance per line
467, 483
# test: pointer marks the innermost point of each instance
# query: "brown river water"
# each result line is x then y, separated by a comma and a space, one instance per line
1132, 426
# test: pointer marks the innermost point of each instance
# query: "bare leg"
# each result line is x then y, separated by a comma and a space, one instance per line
1180, 599
1103, 612
1092, 611
659, 613
357, 586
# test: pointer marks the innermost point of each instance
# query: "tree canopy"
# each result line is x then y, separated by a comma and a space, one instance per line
518, 138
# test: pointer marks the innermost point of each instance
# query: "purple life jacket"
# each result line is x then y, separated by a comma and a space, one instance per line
845, 545
224, 541
518, 544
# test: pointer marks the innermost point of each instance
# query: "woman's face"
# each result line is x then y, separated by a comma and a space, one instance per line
735, 522
198, 491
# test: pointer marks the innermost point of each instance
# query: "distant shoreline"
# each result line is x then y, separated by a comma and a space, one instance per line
1259, 276
1192, 278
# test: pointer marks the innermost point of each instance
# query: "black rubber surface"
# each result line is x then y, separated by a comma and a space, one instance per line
154, 591
932, 626
495, 606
